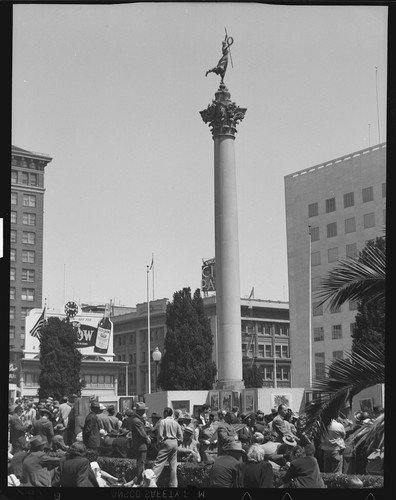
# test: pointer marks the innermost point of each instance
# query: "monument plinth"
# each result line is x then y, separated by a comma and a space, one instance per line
223, 115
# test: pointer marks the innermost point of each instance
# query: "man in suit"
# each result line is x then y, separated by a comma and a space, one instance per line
17, 429
43, 427
140, 439
225, 433
278, 423
91, 435
245, 435
37, 464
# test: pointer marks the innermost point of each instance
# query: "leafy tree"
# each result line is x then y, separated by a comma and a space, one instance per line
361, 279
252, 377
187, 362
60, 360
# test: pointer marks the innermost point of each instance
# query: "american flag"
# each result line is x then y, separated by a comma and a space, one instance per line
36, 330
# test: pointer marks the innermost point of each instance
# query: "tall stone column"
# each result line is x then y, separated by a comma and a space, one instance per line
223, 116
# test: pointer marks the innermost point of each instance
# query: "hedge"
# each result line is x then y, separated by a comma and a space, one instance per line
189, 474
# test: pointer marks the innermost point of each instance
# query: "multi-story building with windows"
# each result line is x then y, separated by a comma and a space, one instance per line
26, 248
264, 338
332, 211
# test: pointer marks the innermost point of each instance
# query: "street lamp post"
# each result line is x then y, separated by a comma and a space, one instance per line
157, 355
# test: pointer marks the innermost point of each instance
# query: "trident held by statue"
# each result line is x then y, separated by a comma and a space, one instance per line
221, 67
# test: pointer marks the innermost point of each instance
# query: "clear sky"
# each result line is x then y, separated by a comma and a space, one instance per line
113, 94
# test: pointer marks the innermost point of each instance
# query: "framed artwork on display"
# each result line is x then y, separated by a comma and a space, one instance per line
366, 404
235, 399
182, 404
214, 400
125, 402
226, 400
281, 399
249, 401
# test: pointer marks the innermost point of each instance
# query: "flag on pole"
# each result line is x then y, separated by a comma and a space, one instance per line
36, 330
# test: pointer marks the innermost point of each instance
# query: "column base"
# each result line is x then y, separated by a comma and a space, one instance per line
230, 385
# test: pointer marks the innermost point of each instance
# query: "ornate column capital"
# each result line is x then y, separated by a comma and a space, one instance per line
222, 114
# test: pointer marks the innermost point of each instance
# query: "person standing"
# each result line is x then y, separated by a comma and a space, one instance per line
278, 423
140, 438
43, 427
170, 435
103, 419
225, 433
333, 446
70, 432
245, 434
90, 432
114, 421
64, 410
17, 429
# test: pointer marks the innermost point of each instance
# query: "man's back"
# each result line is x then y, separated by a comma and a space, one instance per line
223, 472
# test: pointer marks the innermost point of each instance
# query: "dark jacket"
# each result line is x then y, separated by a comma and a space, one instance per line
74, 472
254, 475
44, 428
245, 436
36, 469
17, 429
91, 434
223, 472
140, 439
305, 472
225, 434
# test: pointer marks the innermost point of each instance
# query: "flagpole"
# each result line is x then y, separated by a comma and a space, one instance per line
152, 265
148, 334
310, 308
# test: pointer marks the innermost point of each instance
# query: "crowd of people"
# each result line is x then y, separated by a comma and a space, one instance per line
46, 449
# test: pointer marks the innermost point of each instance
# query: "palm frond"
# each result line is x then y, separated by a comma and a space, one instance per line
370, 436
345, 378
360, 278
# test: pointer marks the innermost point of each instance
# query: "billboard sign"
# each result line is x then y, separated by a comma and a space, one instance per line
208, 280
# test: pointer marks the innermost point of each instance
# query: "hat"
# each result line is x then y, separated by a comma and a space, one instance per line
102, 432
140, 405
49, 399
56, 403
101, 406
246, 416
45, 411
289, 440
95, 404
111, 407
186, 416
155, 415
234, 446
59, 427
37, 441
188, 429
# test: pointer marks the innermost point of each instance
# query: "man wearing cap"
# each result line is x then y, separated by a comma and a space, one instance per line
224, 469
140, 438
43, 427
36, 465
90, 432
188, 449
170, 435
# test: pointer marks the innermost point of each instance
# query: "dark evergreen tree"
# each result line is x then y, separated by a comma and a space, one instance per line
252, 377
60, 360
187, 362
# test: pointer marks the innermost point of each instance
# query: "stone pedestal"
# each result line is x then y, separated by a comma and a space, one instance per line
223, 116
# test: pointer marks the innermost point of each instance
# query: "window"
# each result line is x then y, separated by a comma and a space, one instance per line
368, 220
314, 233
12, 255
12, 332
367, 194
320, 364
29, 238
312, 210
332, 254
336, 332
12, 293
14, 177
351, 250
335, 310
13, 217
14, 198
317, 310
318, 333
315, 259
13, 236
143, 358
24, 312
27, 294
349, 200
338, 354
278, 351
29, 200
29, 219
316, 283
285, 351
268, 373
332, 229
330, 205
28, 275
284, 329
25, 178
260, 352
282, 373
33, 180
12, 312
384, 190
353, 305
28, 256
268, 350
267, 328
350, 225
12, 273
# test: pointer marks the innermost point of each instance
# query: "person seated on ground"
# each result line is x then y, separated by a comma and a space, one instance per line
289, 442
271, 450
254, 472
303, 471
38, 466
58, 444
103, 478
188, 450
224, 470
74, 469
148, 480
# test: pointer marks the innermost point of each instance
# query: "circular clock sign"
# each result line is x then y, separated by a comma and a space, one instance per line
71, 309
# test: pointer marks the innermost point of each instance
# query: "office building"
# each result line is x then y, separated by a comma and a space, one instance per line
332, 211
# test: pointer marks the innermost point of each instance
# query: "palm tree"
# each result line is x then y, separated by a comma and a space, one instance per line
360, 279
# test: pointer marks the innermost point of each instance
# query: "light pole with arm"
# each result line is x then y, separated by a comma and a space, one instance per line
157, 355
